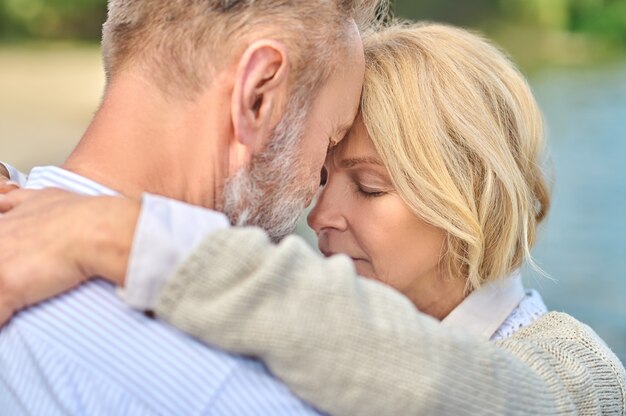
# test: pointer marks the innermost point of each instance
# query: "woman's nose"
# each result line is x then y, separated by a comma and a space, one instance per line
327, 212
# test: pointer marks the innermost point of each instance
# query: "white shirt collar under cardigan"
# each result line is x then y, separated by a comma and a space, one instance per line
484, 310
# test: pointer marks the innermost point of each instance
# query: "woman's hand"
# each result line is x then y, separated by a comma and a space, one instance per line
52, 240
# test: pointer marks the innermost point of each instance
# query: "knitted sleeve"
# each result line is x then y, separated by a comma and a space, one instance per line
353, 346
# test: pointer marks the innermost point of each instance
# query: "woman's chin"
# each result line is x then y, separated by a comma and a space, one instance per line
364, 268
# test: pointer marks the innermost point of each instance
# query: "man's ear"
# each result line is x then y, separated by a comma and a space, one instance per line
260, 92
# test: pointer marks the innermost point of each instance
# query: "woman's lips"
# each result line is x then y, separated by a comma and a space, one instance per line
330, 253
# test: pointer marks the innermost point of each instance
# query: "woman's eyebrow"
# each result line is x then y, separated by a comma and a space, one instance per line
352, 162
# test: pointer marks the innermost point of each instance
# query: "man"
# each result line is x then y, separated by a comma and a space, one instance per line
200, 96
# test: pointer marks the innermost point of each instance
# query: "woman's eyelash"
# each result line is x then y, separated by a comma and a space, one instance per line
369, 194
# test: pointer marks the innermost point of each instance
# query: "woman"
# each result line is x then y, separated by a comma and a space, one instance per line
437, 192
438, 189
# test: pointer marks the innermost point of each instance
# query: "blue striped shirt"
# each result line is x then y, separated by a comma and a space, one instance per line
87, 353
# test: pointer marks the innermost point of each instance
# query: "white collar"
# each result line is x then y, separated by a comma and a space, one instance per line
484, 310
55, 177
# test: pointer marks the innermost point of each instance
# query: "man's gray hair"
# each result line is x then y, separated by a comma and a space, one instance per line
183, 42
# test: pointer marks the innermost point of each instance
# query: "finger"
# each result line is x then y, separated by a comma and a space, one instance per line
5, 204
14, 198
5, 315
7, 309
4, 172
8, 186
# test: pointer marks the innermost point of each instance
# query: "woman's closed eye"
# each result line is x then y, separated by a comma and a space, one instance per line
369, 192
370, 184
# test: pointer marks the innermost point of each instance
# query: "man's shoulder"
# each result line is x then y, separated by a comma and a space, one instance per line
94, 310
91, 329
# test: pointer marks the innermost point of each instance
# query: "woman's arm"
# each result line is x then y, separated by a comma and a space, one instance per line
353, 346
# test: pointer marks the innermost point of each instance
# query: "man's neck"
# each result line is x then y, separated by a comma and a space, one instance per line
141, 142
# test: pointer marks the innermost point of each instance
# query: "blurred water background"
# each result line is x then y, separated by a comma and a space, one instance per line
573, 52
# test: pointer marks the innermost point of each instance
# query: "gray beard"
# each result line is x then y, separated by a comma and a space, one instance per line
273, 191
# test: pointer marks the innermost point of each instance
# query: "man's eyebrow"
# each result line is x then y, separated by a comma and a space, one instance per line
352, 162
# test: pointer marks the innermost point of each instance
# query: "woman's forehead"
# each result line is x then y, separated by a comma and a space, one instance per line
356, 145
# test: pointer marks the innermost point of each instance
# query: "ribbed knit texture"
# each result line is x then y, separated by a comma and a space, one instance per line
353, 346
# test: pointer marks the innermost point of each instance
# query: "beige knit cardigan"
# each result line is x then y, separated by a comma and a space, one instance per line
352, 346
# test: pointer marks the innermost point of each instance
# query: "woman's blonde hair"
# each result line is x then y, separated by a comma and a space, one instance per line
460, 132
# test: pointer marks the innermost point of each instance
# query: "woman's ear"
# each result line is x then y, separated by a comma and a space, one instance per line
260, 93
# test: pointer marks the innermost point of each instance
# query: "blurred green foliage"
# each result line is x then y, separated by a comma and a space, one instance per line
51, 19
601, 18
598, 19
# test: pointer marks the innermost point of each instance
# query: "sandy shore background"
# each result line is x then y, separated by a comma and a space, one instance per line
47, 96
